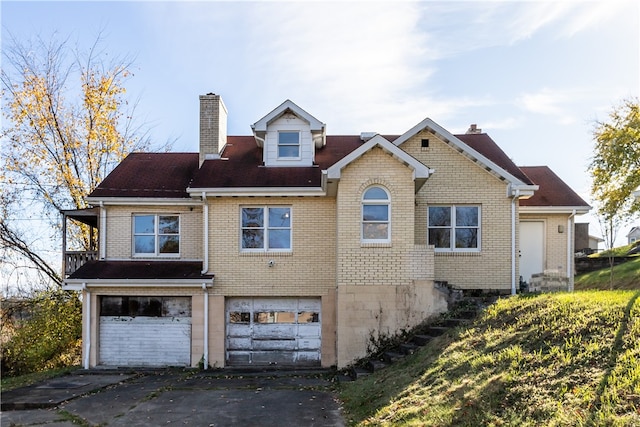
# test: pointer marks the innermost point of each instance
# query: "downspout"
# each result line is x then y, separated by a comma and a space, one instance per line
87, 344
205, 357
513, 241
569, 251
103, 231
205, 232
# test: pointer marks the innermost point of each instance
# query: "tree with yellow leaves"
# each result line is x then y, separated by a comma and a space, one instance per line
66, 124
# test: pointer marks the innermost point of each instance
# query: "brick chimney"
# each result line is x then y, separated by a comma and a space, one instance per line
213, 126
473, 129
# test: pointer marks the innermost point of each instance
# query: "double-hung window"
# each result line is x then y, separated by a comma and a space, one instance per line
156, 235
288, 144
375, 216
266, 228
454, 228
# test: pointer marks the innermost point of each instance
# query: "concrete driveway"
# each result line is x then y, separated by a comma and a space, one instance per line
176, 397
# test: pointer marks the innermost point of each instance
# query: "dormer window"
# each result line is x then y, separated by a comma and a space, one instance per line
288, 144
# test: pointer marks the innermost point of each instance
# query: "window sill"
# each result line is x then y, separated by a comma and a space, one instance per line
458, 253
267, 253
153, 256
376, 245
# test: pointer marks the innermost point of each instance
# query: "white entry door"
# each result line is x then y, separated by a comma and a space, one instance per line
531, 249
273, 331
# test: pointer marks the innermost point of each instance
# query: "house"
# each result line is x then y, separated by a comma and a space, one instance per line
290, 246
634, 235
585, 244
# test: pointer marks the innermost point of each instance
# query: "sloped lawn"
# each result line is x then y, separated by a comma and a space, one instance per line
553, 360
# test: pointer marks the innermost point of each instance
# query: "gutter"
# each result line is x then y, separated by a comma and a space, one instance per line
205, 356
569, 251
205, 222
87, 347
514, 200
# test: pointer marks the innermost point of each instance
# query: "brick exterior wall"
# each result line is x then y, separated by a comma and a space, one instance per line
119, 233
382, 288
458, 180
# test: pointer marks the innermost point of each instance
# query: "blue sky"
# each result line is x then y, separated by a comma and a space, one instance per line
533, 75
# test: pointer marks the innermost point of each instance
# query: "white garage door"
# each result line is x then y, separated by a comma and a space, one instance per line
273, 331
145, 331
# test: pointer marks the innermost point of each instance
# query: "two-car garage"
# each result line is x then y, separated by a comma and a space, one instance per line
157, 331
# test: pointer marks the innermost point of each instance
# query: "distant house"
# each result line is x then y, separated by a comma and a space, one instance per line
293, 247
584, 242
634, 235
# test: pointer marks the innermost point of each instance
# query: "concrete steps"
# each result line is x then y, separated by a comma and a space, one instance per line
464, 314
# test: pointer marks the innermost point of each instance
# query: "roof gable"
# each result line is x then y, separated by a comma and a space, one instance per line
517, 184
420, 171
318, 129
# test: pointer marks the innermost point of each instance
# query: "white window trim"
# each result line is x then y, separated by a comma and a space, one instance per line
156, 235
266, 228
452, 246
364, 202
299, 145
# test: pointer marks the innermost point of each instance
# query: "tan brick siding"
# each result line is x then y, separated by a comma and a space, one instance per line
382, 288
308, 270
458, 180
119, 236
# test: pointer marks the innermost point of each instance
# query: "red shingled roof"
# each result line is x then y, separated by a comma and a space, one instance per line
141, 270
157, 175
168, 175
483, 144
552, 192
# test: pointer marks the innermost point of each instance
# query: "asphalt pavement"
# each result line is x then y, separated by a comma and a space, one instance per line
213, 398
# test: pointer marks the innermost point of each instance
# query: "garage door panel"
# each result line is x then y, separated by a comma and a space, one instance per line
239, 357
145, 341
238, 330
273, 357
282, 331
275, 344
308, 344
237, 343
274, 331
309, 330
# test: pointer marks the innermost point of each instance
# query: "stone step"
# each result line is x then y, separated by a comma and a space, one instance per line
421, 339
376, 365
408, 348
392, 356
453, 323
437, 330
357, 373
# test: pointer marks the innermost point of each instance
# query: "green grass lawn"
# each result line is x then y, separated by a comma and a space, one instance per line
566, 359
625, 276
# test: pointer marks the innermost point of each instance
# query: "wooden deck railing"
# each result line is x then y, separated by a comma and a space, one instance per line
73, 260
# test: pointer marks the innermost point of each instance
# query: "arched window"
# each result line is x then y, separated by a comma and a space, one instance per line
376, 226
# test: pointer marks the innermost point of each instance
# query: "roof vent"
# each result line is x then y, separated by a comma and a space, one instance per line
473, 129
365, 136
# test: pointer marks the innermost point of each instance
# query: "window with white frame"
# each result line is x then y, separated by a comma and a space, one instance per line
156, 235
454, 228
288, 144
266, 228
376, 205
